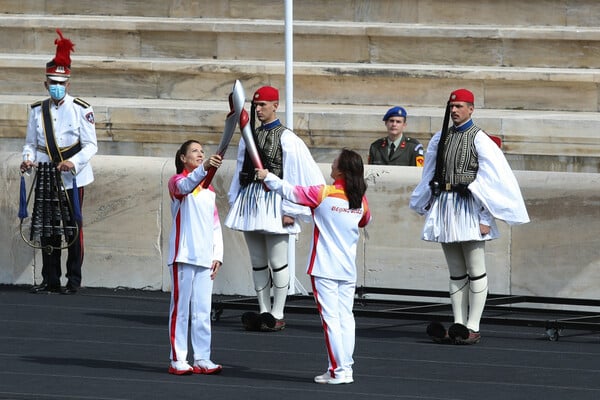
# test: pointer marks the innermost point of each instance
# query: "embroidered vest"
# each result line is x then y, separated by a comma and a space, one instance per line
268, 143
461, 161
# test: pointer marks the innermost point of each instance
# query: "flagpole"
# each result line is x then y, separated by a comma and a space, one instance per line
295, 286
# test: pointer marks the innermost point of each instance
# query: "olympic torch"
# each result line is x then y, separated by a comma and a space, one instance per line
250, 144
236, 105
249, 139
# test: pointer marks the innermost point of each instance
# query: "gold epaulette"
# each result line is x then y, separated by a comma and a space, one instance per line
82, 103
36, 104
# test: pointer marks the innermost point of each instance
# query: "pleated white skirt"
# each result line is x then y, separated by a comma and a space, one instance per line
257, 210
453, 218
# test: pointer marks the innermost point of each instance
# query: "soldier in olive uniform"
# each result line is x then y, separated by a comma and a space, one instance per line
396, 148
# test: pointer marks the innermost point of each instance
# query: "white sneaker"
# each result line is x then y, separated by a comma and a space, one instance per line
323, 378
326, 378
349, 377
206, 367
180, 368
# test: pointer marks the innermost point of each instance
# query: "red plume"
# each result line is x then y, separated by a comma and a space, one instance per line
64, 47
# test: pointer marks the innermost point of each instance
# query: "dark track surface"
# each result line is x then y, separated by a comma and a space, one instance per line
107, 344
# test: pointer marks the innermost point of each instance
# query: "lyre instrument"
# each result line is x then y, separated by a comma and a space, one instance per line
49, 223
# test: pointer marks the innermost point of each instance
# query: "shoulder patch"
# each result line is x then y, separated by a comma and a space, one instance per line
420, 160
81, 103
36, 104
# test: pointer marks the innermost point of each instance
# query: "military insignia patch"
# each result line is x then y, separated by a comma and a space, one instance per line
90, 117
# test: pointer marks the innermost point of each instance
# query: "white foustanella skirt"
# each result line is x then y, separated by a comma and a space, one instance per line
454, 218
257, 210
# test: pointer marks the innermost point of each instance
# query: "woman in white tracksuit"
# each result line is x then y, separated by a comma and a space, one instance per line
195, 256
338, 210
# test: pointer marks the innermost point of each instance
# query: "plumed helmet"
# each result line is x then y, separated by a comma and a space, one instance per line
59, 69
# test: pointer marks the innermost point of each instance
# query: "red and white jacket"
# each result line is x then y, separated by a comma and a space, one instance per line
196, 236
335, 235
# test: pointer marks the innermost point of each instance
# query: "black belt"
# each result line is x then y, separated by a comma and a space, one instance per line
460, 188
453, 187
66, 152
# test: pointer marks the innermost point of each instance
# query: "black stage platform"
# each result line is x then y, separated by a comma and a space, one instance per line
113, 344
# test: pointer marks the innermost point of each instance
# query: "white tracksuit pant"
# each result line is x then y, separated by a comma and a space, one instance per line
335, 300
191, 297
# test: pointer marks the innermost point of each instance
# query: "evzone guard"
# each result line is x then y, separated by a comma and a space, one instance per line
266, 219
466, 185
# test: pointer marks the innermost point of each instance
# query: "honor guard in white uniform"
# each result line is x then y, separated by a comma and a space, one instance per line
61, 130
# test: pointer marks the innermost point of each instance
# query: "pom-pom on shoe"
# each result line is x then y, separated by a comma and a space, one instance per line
251, 321
438, 333
460, 334
268, 323
472, 338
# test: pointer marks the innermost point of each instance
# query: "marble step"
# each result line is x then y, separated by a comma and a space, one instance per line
565, 89
318, 41
481, 12
156, 127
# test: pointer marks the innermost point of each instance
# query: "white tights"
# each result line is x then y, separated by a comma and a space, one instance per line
269, 259
468, 281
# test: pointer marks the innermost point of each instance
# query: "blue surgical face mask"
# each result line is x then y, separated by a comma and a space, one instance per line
57, 92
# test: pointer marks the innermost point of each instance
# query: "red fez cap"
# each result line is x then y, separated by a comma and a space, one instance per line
59, 69
266, 93
462, 95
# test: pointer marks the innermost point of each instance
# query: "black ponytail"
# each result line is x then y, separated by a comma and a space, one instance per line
350, 163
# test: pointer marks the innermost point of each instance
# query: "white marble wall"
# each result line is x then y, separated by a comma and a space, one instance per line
127, 223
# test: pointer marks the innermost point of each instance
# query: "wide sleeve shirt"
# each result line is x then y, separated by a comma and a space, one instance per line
495, 185
299, 168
